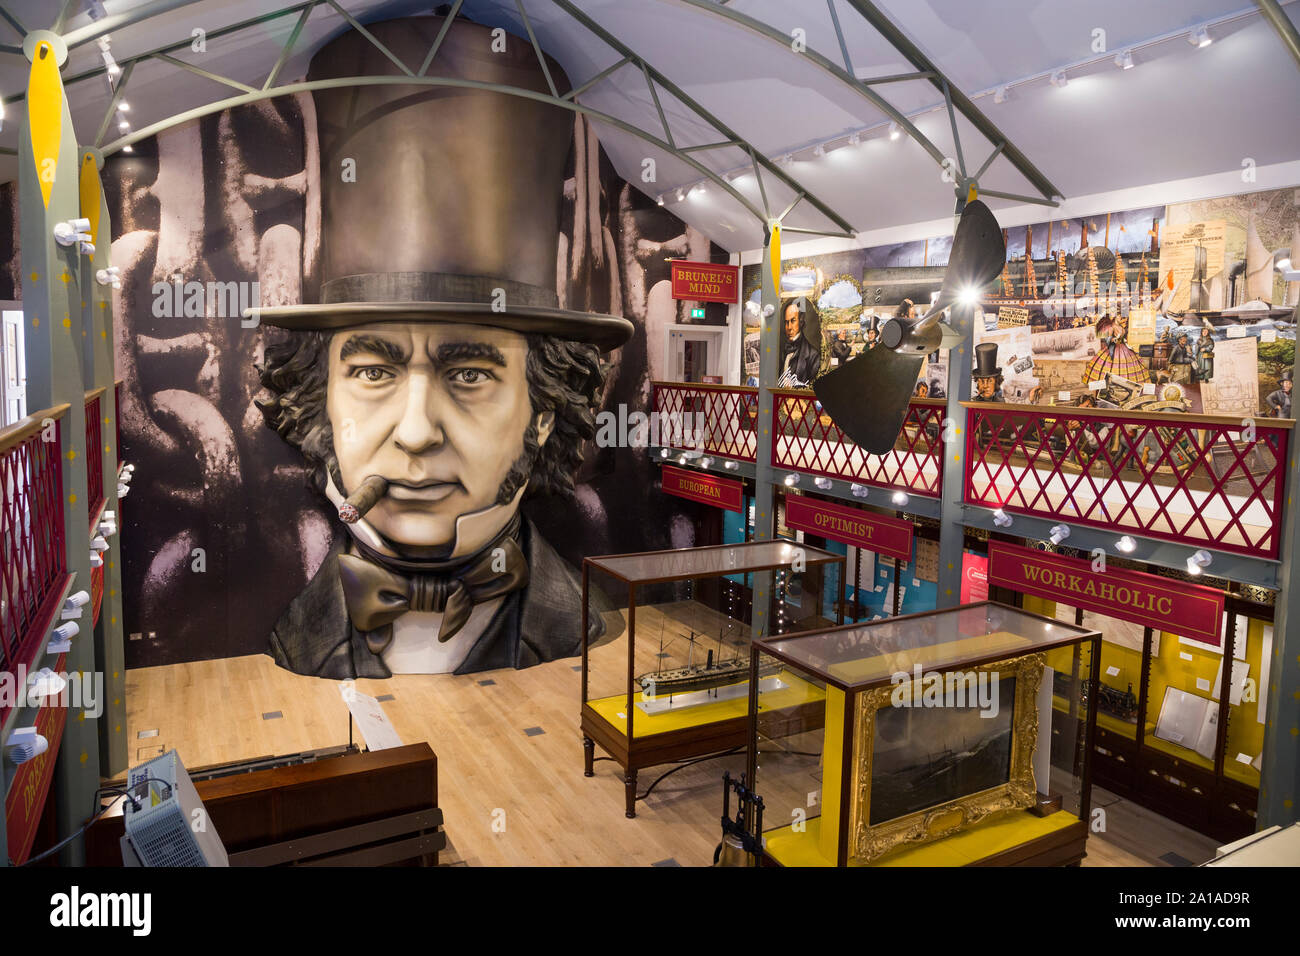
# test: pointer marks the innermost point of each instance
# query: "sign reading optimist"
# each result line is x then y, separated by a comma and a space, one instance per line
719, 492
1188, 610
871, 532
705, 282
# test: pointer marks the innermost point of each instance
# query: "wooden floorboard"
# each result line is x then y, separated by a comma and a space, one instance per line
510, 798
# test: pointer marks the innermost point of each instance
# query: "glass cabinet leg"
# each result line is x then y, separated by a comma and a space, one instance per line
588, 755
629, 787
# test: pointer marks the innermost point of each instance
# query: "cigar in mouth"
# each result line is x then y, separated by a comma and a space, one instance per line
363, 499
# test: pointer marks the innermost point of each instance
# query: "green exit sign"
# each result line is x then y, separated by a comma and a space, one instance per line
697, 313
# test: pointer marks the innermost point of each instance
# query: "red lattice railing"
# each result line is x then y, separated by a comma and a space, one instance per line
94, 457
719, 419
1198, 480
805, 439
33, 565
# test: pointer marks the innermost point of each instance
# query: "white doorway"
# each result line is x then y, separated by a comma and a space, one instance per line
695, 353
13, 366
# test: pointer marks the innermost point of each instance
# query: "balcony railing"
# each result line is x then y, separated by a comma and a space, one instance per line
805, 439
1200, 480
33, 566
719, 419
94, 456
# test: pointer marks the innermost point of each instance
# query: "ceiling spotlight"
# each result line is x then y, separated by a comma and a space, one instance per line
124, 107
681, 194
823, 483
894, 131
123, 124
819, 151
1200, 37
697, 191
1124, 60
1126, 544
1002, 95
660, 199
900, 498
663, 452
681, 459
792, 479
969, 296
1059, 79
1199, 561
787, 159
731, 465
855, 139
1001, 519
857, 490
127, 148
1059, 533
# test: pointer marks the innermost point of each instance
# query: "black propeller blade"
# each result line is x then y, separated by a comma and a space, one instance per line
868, 397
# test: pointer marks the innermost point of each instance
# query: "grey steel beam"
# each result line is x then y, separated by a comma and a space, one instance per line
1271, 11
986, 127
839, 35
790, 208
997, 151
707, 146
57, 25
574, 93
758, 178
10, 19
817, 232
769, 370
998, 194
897, 78
343, 82
654, 95
206, 74
116, 21
442, 33
288, 47
374, 41
697, 108
118, 90
541, 57
952, 120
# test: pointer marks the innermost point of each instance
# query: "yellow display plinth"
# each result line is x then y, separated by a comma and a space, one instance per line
987, 838
613, 710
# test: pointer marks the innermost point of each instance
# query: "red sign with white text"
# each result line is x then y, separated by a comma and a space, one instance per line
974, 577
863, 529
1187, 610
708, 489
705, 282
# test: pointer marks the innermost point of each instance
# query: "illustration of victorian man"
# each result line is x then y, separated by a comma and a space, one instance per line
800, 358
437, 384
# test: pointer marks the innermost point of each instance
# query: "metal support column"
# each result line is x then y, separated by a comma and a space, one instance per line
1279, 779
97, 318
769, 345
951, 528
52, 290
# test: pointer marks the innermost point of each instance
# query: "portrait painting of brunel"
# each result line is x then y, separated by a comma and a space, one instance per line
437, 383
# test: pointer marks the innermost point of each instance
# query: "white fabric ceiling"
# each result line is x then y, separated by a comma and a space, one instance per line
1182, 111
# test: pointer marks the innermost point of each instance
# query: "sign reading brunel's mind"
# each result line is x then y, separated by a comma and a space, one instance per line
705, 281
719, 492
871, 532
1187, 610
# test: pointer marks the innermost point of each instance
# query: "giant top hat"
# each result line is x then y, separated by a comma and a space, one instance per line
454, 214
986, 361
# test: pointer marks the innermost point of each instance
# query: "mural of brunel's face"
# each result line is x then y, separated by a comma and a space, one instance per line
439, 410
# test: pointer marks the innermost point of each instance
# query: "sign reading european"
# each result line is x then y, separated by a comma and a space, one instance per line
709, 489
705, 281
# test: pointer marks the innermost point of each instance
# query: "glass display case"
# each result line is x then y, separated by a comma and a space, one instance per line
668, 680
953, 737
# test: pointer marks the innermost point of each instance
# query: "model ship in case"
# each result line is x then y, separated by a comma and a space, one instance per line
714, 672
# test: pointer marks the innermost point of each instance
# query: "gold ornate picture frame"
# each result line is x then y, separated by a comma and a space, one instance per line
869, 842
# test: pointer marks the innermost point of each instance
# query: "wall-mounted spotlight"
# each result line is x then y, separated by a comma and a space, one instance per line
1124, 60
659, 199
1059, 533
663, 452
855, 139
1200, 37
895, 131
26, 744
857, 490
706, 462
1001, 94
1199, 561
823, 483
1126, 544
73, 604
45, 683
900, 498
1060, 80
1001, 519
792, 479
74, 230
731, 465
819, 150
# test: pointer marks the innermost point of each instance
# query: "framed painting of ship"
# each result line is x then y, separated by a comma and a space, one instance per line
962, 760
953, 737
